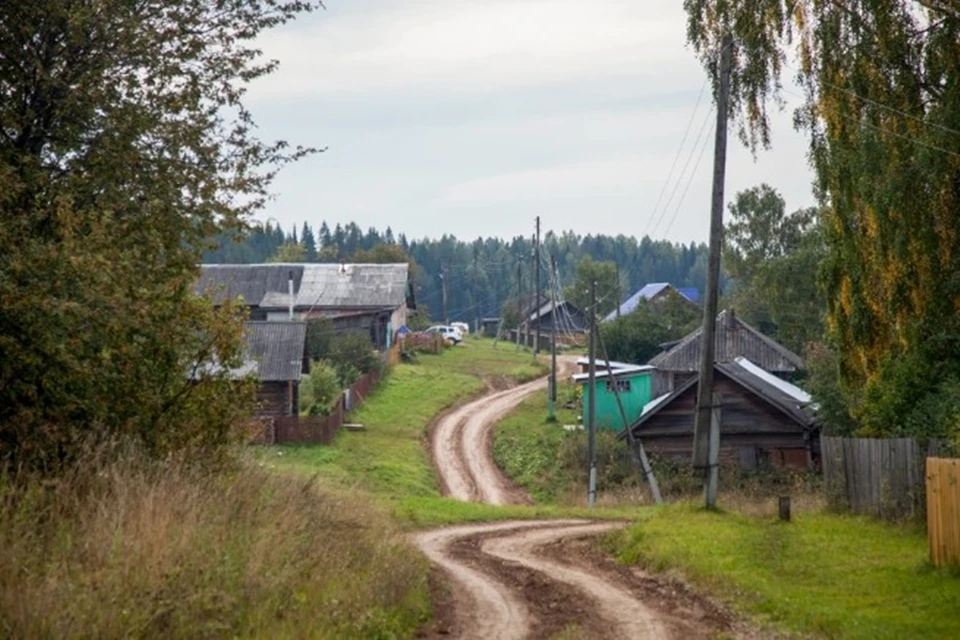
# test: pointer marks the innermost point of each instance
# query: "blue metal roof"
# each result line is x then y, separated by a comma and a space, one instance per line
649, 292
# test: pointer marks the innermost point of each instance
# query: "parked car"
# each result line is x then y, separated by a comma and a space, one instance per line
462, 326
449, 333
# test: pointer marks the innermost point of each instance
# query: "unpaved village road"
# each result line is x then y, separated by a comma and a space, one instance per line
537, 578
461, 441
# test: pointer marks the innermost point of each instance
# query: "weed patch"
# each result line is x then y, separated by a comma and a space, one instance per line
145, 549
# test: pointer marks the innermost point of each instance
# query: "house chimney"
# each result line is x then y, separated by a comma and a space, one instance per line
290, 291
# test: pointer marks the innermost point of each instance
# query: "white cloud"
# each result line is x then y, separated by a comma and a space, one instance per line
469, 46
468, 117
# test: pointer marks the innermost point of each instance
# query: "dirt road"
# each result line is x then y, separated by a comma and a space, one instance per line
537, 578
540, 578
461, 441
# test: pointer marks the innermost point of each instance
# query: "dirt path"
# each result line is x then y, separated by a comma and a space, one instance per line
540, 578
537, 578
461, 440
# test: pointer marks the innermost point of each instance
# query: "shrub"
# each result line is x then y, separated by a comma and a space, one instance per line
322, 389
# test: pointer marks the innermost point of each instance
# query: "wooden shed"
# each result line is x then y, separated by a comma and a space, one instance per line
764, 420
278, 349
633, 384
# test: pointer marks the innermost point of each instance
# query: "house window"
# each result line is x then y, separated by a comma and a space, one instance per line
622, 386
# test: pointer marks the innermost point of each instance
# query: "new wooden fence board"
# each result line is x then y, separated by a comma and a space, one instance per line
943, 510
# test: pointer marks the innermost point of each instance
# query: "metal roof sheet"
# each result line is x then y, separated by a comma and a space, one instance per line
647, 292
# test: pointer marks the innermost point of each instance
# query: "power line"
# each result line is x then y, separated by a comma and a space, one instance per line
693, 149
683, 195
676, 156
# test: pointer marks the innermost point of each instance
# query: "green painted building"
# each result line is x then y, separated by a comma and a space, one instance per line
635, 386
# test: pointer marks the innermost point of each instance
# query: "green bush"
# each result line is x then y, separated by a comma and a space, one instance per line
322, 389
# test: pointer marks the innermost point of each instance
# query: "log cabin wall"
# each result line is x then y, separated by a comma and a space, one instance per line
752, 431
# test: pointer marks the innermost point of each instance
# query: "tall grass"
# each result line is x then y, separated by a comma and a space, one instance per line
142, 548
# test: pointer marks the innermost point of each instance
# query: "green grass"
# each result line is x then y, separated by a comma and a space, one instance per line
389, 458
525, 446
822, 574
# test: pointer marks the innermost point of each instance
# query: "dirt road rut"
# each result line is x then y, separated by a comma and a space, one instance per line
540, 578
461, 440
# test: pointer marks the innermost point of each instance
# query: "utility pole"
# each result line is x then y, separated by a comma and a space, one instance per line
639, 453
443, 294
701, 429
476, 287
619, 292
536, 257
592, 399
519, 298
551, 416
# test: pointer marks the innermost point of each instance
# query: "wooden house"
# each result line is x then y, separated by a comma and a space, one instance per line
360, 297
735, 339
566, 319
763, 419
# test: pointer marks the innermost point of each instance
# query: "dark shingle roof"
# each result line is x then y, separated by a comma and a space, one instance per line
735, 338
277, 348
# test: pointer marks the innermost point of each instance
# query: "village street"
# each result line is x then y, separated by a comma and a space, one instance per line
536, 578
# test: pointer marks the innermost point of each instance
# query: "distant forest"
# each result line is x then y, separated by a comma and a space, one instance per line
481, 274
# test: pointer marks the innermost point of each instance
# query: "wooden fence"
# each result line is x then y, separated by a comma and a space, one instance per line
319, 429
943, 510
880, 477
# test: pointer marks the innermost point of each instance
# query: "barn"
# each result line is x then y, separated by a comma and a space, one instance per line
764, 420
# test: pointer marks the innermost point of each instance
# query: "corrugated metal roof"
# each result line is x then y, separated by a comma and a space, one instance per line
252, 281
648, 292
347, 285
277, 348
734, 338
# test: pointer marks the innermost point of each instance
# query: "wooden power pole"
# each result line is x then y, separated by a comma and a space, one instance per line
592, 399
552, 399
536, 257
443, 295
701, 429
519, 298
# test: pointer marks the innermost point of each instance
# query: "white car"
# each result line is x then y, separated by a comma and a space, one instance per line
449, 333
463, 327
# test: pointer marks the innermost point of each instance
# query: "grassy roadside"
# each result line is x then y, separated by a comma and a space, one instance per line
388, 459
525, 446
822, 574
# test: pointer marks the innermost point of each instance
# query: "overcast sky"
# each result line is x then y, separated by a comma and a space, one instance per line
471, 117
